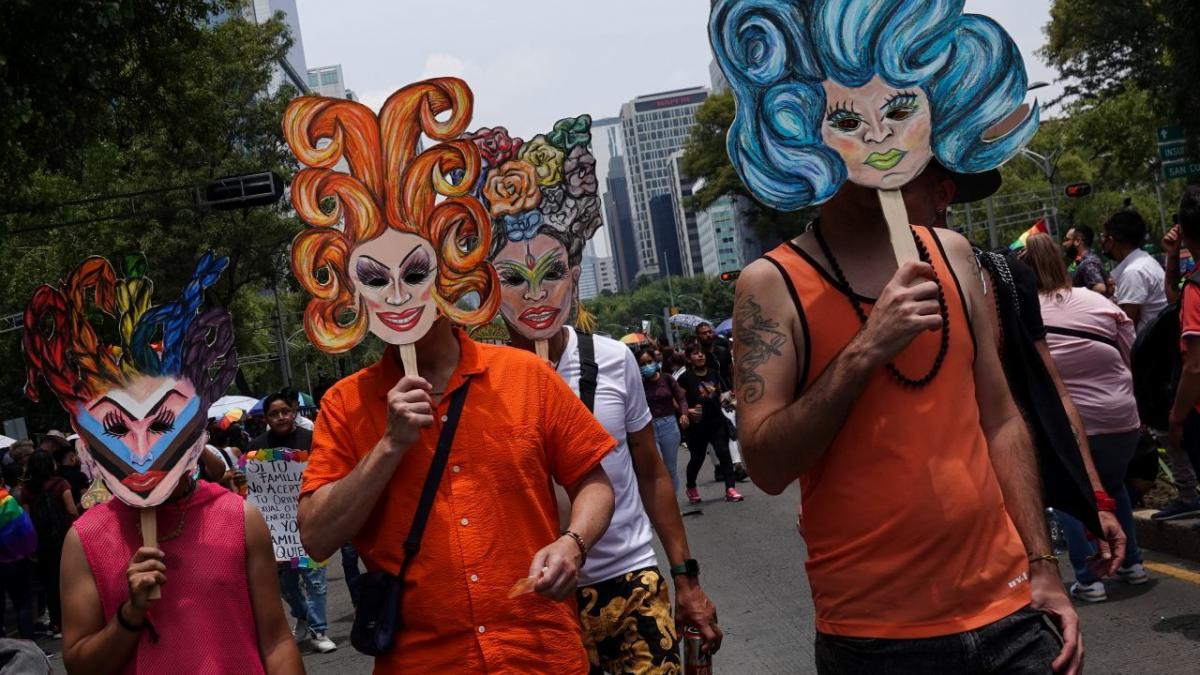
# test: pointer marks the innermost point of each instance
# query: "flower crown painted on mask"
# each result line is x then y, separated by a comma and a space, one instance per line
546, 185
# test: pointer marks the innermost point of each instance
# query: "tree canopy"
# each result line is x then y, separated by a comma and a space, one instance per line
204, 109
1102, 48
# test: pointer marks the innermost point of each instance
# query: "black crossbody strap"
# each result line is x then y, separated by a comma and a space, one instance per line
588, 370
412, 544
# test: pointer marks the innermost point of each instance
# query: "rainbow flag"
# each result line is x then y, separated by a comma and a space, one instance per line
1039, 227
17, 536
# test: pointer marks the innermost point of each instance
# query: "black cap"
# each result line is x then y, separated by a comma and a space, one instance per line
973, 187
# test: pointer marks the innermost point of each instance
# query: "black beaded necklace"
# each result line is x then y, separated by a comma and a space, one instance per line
943, 309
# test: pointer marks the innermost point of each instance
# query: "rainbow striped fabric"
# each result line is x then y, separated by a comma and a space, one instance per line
1039, 227
17, 537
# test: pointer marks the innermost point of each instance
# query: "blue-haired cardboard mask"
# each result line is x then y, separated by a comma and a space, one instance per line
866, 91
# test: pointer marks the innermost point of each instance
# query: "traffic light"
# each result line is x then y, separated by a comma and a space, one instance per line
1078, 190
730, 276
239, 192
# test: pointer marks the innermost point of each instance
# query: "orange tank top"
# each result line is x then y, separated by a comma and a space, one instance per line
904, 519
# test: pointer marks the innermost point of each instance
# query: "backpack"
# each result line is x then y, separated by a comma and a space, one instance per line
1156, 365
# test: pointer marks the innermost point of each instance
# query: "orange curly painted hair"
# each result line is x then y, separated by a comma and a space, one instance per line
389, 185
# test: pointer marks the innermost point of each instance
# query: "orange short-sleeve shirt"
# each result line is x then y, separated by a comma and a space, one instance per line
521, 427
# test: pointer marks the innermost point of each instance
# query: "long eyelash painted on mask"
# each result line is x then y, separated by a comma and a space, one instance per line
903, 100
419, 265
842, 112
371, 272
114, 425
164, 423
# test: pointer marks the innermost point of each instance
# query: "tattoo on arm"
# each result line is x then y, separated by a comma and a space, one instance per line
761, 339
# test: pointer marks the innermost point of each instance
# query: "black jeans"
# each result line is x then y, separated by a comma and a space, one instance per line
16, 582
47, 566
699, 435
1023, 643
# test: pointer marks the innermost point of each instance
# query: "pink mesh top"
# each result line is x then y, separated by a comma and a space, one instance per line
204, 620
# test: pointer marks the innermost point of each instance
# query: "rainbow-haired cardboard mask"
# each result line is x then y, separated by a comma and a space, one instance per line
866, 91
543, 199
138, 404
396, 240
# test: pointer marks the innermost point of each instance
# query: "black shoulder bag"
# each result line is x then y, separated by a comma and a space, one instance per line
377, 617
588, 370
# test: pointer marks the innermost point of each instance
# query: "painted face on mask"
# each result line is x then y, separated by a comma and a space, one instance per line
536, 286
881, 132
142, 438
393, 274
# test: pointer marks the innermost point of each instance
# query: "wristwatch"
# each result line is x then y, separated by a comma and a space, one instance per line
688, 567
1104, 502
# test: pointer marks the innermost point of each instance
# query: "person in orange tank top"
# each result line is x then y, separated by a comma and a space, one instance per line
927, 546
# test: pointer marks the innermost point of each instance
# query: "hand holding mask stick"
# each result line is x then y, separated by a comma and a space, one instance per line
150, 540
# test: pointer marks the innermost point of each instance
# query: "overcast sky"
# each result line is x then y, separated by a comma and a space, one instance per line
531, 62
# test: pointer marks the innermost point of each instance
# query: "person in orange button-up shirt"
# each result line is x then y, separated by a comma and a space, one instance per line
494, 519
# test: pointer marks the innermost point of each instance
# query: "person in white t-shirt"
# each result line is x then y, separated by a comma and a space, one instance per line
1138, 277
621, 573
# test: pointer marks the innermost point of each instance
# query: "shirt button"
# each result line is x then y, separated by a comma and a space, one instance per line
474, 577
445, 418
464, 521
482, 629
456, 468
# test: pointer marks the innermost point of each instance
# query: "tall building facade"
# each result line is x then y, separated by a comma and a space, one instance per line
718, 233
587, 278
662, 221
618, 217
653, 128
292, 68
328, 81
606, 276
685, 216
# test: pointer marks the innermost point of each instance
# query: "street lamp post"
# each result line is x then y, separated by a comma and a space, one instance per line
1048, 165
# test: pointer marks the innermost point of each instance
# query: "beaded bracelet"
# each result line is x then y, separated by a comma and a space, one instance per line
583, 549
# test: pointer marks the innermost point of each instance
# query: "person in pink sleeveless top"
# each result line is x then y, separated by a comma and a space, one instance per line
138, 405
219, 612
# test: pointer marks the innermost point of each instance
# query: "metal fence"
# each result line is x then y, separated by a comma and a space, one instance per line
1000, 219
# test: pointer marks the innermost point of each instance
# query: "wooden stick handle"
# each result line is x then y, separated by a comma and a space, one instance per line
408, 357
896, 213
542, 347
150, 540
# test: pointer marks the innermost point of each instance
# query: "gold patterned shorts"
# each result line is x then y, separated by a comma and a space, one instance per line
627, 625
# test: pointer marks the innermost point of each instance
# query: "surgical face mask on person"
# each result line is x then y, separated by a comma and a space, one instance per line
649, 369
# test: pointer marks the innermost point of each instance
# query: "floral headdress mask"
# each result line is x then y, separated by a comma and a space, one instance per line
546, 185
390, 186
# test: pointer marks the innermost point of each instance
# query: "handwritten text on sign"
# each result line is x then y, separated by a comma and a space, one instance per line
273, 485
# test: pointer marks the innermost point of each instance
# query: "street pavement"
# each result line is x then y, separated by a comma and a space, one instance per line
752, 567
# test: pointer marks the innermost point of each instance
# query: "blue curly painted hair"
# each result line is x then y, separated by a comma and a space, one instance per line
777, 54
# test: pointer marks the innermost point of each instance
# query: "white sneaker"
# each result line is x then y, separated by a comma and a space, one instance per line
322, 643
1134, 574
1089, 592
302, 631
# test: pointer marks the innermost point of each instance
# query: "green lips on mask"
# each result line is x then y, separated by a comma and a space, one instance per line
886, 161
